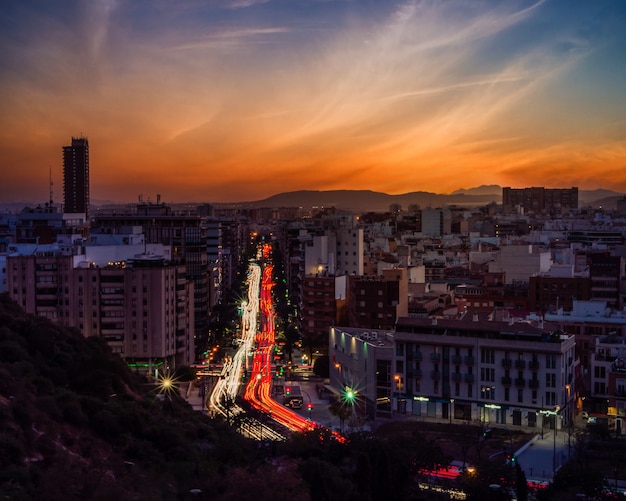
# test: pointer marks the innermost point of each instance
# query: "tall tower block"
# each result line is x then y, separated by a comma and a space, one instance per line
76, 176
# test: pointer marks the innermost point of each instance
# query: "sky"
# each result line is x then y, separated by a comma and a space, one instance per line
237, 100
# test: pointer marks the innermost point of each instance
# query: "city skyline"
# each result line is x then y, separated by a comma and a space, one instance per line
236, 100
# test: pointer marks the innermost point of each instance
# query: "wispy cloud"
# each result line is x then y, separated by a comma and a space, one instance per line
232, 37
245, 94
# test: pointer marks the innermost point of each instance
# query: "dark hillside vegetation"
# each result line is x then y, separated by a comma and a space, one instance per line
76, 423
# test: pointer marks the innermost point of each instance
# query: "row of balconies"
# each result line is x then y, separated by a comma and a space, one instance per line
457, 377
520, 382
507, 363
436, 357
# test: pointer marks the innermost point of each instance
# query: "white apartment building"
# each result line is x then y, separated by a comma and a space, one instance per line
461, 370
520, 262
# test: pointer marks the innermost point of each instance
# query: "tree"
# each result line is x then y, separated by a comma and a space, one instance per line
521, 485
321, 367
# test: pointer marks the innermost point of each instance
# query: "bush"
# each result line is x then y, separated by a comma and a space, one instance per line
11, 450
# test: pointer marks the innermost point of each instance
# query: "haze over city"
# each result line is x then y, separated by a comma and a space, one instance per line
233, 100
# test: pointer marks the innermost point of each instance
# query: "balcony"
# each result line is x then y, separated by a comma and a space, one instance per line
533, 365
469, 378
435, 357
520, 364
456, 377
507, 363
469, 360
506, 381
417, 373
457, 359
417, 355
520, 382
435, 375
533, 383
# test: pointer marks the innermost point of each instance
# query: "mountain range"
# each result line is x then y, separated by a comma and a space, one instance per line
372, 201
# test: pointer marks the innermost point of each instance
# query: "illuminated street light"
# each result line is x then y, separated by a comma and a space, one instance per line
349, 394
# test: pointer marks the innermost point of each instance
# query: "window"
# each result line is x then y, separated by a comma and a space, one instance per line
488, 392
487, 374
400, 349
599, 388
487, 356
520, 395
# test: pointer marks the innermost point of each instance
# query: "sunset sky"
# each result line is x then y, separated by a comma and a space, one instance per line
234, 100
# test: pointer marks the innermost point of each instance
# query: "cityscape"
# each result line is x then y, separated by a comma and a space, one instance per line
313, 250
503, 320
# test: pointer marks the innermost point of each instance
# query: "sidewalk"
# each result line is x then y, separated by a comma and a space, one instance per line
192, 395
540, 458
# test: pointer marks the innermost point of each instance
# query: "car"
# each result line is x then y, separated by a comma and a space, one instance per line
592, 420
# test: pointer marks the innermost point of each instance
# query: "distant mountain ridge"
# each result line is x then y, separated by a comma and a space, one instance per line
372, 201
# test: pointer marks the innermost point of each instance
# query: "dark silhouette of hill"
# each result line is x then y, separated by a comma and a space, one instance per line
490, 189
76, 423
370, 201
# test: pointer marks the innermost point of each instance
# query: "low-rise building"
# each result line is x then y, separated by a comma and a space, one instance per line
461, 370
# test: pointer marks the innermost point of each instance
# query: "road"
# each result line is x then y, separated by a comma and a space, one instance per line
542, 457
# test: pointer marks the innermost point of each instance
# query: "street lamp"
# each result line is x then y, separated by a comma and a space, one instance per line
450, 410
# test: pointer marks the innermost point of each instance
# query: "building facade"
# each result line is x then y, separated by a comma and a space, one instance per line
541, 200
142, 307
76, 176
463, 370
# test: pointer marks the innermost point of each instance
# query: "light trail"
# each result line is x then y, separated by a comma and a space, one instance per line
224, 394
258, 389
258, 307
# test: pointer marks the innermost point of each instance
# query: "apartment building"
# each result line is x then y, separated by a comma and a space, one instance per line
607, 399
141, 306
463, 370
474, 369
183, 231
541, 200
375, 302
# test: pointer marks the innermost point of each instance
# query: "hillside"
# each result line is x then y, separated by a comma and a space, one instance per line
75, 423
370, 201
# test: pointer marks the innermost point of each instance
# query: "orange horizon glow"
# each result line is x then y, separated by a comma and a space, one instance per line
246, 99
